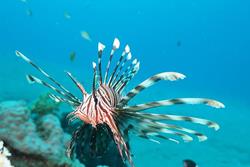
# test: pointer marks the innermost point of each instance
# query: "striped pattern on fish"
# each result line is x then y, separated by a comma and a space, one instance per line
171, 76
107, 107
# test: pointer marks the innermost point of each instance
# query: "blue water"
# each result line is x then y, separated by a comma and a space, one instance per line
208, 41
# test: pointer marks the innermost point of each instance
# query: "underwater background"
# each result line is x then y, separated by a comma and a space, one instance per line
208, 41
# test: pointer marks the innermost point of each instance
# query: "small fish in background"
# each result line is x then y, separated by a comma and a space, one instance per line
67, 15
178, 43
189, 163
85, 35
29, 12
72, 56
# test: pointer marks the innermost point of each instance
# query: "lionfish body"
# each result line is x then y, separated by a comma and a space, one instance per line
106, 111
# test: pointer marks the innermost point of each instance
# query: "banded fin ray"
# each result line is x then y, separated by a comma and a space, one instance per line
200, 136
116, 45
168, 117
94, 80
169, 102
126, 51
77, 83
148, 135
161, 137
75, 136
129, 76
19, 54
33, 79
101, 47
58, 99
125, 73
129, 56
154, 131
148, 124
139, 131
170, 76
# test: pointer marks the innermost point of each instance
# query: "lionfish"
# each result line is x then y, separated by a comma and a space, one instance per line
106, 107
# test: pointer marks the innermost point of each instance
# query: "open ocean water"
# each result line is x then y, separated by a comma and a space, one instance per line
207, 40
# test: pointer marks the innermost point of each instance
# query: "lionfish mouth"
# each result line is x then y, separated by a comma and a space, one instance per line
106, 104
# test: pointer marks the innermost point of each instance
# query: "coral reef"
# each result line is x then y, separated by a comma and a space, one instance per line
44, 105
40, 142
4, 154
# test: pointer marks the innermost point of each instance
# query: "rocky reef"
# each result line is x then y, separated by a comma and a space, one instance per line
44, 105
34, 140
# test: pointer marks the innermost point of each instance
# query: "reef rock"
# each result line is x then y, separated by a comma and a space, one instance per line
33, 142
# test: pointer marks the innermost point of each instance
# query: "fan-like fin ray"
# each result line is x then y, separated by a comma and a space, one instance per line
77, 83
125, 74
146, 126
168, 117
199, 135
130, 75
126, 51
169, 102
60, 99
33, 79
129, 56
94, 81
101, 47
170, 76
116, 45
19, 54
146, 136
